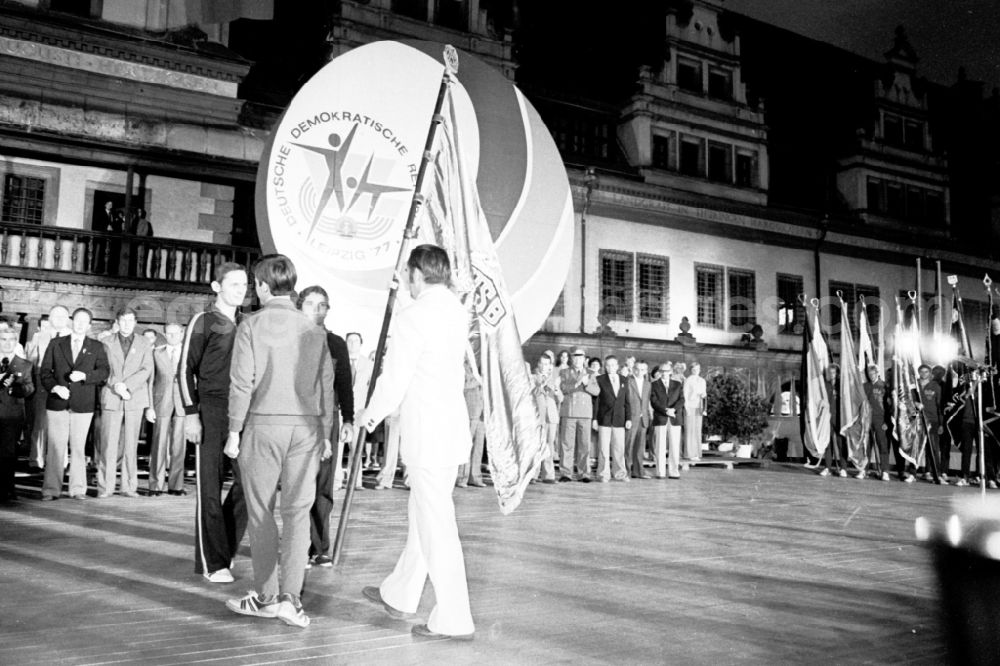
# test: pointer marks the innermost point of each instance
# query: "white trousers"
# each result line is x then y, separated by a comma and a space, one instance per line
432, 550
611, 443
667, 437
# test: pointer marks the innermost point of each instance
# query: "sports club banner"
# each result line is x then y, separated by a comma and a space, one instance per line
336, 179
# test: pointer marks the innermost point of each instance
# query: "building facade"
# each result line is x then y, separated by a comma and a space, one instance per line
721, 168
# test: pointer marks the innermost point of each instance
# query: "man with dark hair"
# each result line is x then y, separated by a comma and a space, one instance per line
15, 387
612, 418
314, 302
281, 397
933, 408
72, 369
167, 447
124, 400
424, 377
204, 384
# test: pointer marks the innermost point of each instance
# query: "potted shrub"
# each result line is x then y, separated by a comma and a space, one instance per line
735, 413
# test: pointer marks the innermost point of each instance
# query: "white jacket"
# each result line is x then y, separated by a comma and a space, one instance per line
423, 375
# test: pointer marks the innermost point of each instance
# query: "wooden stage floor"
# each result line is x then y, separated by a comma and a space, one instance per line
766, 566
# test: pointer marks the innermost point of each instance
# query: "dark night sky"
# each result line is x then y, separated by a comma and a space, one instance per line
945, 34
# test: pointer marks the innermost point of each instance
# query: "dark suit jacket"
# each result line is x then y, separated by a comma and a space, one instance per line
675, 399
57, 365
612, 410
12, 398
639, 403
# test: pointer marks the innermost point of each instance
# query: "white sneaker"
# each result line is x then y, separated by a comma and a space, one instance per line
909, 478
885, 476
252, 604
290, 613
860, 474
842, 473
961, 483
220, 576
825, 471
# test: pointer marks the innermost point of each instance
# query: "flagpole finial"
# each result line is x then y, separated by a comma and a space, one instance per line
803, 300
861, 298
987, 281
451, 59
814, 302
912, 295
840, 294
953, 280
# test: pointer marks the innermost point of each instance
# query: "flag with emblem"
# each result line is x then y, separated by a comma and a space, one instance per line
906, 416
815, 410
458, 224
855, 411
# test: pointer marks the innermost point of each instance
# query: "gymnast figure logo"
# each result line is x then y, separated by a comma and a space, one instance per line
332, 172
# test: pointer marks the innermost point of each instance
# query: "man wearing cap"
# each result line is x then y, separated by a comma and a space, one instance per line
579, 388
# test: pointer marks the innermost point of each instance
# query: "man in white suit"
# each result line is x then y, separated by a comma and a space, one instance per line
124, 399
424, 376
167, 414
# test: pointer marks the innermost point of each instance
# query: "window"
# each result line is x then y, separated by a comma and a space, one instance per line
915, 203
415, 9
662, 145
691, 157
742, 299
76, 7
892, 130
653, 282
894, 200
934, 207
746, 169
689, 75
913, 135
708, 281
874, 190
791, 313
975, 314
719, 164
453, 14
23, 199
720, 83
582, 135
851, 293
616, 284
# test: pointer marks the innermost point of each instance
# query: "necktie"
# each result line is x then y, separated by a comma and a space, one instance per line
77, 344
354, 371
614, 384
173, 356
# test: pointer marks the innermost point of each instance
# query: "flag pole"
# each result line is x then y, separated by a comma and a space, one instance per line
919, 399
409, 233
986, 375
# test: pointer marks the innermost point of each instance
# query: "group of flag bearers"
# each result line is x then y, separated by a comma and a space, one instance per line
854, 413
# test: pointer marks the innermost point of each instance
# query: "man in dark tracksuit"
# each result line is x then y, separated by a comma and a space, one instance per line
314, 302
204, 383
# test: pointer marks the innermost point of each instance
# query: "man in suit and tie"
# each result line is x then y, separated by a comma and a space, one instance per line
424, 377
578, 387
612, 420
639, 392
361, 374
15, 386
545, 388
58, 326
73, 368
167, 414
124, 400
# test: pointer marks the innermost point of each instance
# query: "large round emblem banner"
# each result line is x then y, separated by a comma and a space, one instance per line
337, 176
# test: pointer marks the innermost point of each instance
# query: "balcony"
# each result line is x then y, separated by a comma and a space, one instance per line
60, 254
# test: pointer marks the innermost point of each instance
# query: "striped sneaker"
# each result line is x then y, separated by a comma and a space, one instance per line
290, 612
253, 604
